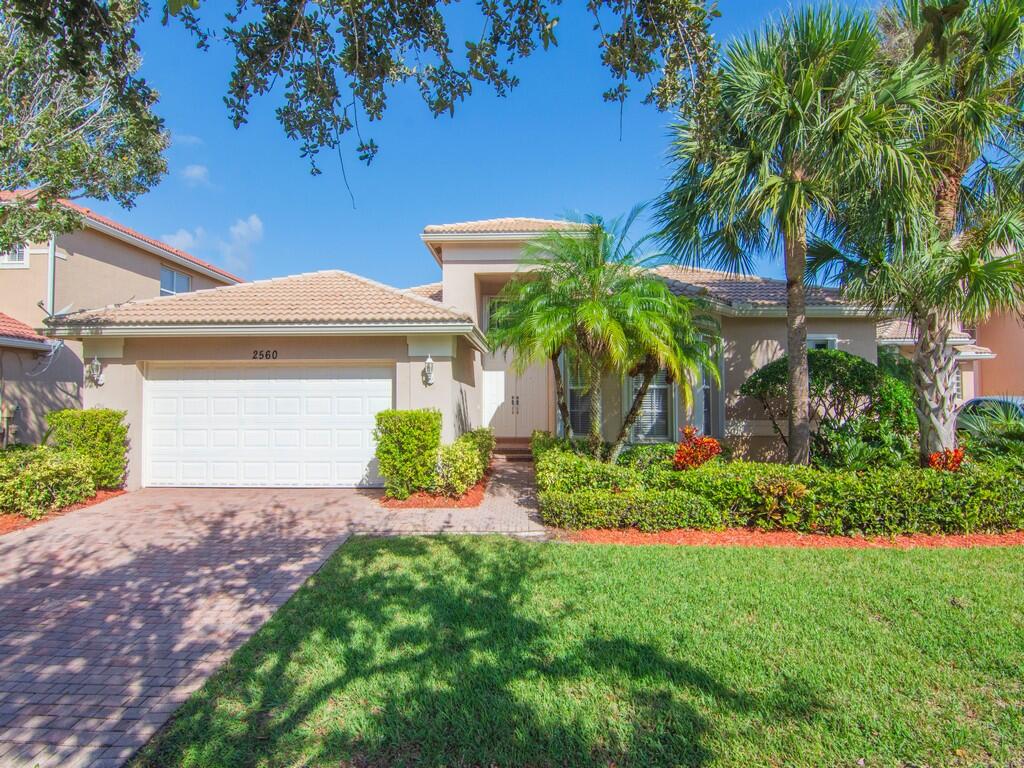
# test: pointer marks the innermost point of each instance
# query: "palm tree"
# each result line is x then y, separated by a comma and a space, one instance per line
802, 113
956, 259
583, 292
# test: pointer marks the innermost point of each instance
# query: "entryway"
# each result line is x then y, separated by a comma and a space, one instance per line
514, 404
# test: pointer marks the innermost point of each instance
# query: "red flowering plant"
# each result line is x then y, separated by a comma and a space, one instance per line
694, 449
948, 460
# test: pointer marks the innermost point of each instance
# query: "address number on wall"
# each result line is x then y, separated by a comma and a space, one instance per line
264, 354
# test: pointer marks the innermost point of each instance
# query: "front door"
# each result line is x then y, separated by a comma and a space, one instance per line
514, 404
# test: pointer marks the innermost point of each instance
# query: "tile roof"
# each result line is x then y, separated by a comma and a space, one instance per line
15, 329
901, 328
332, 297
512, 225
973, 351
432, 291
735, 290
98, 218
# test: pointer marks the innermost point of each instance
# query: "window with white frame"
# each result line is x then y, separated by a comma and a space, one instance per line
653, 423
15, 256
579, 399
173, 281
822, 341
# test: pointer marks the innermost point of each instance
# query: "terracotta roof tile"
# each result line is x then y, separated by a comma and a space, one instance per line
734, 289
432, 291
91, 215
15, 329
901, 328
329, 297
512, 225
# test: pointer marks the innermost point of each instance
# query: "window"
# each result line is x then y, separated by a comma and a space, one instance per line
822, 341
652, 424
172, 282
579, 400
14, 257
491, 304
706, 395
958, 383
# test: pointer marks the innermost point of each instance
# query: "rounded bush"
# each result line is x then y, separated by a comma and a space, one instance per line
459, 467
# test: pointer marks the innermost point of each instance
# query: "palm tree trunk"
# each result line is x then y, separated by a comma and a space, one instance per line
934, 377
595, 439
563, 405
798, 394
947, 201
631, 417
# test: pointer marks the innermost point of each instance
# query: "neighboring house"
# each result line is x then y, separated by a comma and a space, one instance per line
1002, 374
276, 382
103, 263
970, 354
21, 350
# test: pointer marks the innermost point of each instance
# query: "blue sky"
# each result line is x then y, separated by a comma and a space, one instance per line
245, 200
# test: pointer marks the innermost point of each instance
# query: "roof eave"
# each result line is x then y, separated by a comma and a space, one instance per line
779, 310
164, 330
28, 344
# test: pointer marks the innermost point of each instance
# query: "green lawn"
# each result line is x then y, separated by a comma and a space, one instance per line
487, 651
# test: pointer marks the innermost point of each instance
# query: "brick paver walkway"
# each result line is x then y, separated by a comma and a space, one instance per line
111, 616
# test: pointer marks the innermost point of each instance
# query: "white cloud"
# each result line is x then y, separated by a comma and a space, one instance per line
196, 175
186, 139
243, 235
185, 239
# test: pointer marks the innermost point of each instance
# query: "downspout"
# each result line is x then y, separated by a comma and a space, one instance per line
51, 276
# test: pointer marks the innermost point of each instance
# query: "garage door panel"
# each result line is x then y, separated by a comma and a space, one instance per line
264, 427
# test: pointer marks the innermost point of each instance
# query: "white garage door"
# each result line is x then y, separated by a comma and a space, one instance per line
269, 426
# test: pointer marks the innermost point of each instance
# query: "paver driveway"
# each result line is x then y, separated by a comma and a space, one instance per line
111, 616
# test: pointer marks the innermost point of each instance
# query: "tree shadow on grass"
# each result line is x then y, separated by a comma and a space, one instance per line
433, 653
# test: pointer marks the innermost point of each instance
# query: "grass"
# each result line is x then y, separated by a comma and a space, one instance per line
491, 652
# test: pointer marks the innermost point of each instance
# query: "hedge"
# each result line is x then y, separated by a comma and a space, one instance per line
462, 464
407, 446
97, 434
779, 496
34, 481
645, 510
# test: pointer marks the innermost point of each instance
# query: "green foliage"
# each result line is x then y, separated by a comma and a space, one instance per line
643, 457
65, 134
407, 446
645, 510
38, 480
459, 467
483, 441
892, 363
99, 435
859, 414
993, 432
882, 501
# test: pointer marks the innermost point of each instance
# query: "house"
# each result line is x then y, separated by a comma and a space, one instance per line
970, 354
276, 382
1001, 374
103, 263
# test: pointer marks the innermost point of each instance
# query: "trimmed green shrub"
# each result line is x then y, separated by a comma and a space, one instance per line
99, 435
885, 501
459, 467
407, 445
644, 510
643, 457
39, 480
483, 441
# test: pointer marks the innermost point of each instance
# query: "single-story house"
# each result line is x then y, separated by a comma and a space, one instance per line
276, 382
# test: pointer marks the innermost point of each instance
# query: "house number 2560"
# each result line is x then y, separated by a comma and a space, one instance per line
264, 354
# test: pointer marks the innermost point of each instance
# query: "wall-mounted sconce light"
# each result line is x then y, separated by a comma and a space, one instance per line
428, 371
94, 372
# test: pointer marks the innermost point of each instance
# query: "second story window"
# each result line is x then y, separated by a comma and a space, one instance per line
14, 257
172, 282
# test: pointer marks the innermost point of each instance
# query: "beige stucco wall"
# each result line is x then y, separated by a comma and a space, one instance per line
91, 270
124, 376
1003, 333
35, 389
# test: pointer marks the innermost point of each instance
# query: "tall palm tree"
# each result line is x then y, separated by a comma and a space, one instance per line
802, 113
956, 259
583, 292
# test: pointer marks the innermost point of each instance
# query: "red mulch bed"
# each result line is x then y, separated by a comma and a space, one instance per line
11, 523
746, 537
423, 500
